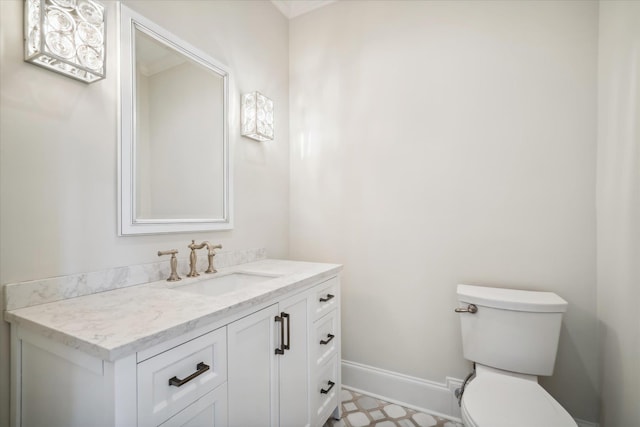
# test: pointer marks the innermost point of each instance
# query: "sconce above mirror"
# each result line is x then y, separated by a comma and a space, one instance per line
175, 166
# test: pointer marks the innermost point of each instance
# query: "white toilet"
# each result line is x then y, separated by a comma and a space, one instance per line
512, 336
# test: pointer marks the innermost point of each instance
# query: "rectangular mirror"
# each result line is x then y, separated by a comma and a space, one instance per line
174, 147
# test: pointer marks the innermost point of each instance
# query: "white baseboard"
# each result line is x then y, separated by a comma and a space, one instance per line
415, 393
422, 395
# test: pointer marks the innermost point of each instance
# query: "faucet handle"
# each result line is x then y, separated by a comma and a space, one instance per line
210, 255
169, 252
173, 277
211, 247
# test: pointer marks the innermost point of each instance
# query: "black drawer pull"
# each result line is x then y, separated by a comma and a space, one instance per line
331, 384
201, 369
327, 298
328, 340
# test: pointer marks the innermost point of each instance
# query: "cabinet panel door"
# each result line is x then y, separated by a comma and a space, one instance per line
252, 370
208, 411
294, 364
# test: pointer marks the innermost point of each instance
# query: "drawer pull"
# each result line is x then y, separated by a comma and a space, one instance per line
328, 340
201, 369
327, 298
331, 384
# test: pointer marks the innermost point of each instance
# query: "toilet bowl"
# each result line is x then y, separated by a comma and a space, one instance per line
512, 337
499, 399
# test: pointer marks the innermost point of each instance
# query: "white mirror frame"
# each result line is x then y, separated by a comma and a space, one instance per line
127, 222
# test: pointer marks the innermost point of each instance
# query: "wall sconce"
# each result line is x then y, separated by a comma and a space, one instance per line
66, 36
257, 116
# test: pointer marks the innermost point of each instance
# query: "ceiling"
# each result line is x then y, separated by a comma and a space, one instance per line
293, 8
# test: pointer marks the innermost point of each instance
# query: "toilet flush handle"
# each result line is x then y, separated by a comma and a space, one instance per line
471, 308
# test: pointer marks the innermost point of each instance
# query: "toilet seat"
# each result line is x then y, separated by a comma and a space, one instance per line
500, 400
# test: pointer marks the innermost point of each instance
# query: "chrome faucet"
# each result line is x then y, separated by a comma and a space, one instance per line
193, 258
173, 277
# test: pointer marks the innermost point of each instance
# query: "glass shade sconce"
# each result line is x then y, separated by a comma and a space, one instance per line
66, 36
257, 116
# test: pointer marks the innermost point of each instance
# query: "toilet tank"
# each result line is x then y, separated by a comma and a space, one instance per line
513, 330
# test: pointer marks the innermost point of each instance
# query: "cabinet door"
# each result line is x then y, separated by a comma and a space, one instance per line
294, 364
253, 370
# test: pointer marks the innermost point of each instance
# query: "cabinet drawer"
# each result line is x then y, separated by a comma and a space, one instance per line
325, 337
210, 410
326, 298
173, 380
326, 391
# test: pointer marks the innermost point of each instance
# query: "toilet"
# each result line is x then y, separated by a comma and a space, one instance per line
512, 337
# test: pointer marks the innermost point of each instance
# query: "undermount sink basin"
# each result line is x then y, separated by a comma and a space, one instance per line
220, 285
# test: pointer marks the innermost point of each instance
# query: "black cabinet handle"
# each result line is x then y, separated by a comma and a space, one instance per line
331, 384
327, 298
286, 316
201, 369
282, 347
328, 340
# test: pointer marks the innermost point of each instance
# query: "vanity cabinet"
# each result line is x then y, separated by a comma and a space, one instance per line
271, 364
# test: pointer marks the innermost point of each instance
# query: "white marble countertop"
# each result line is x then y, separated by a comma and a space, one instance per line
114, 324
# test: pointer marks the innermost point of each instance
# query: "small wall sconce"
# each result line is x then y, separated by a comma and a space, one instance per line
66, 36
257, 116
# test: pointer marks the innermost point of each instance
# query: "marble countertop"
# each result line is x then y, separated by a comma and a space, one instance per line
114, 324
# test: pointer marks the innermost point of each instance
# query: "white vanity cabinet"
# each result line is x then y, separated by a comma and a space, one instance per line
275, 363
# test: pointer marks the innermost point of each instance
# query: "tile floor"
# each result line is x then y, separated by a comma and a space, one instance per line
359, 410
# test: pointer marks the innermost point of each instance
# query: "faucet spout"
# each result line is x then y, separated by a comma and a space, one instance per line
193, 258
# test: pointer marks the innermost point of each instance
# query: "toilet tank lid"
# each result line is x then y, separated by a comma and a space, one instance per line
511, 299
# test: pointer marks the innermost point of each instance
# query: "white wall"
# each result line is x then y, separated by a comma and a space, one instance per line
437, 143
58, 146
619, 211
